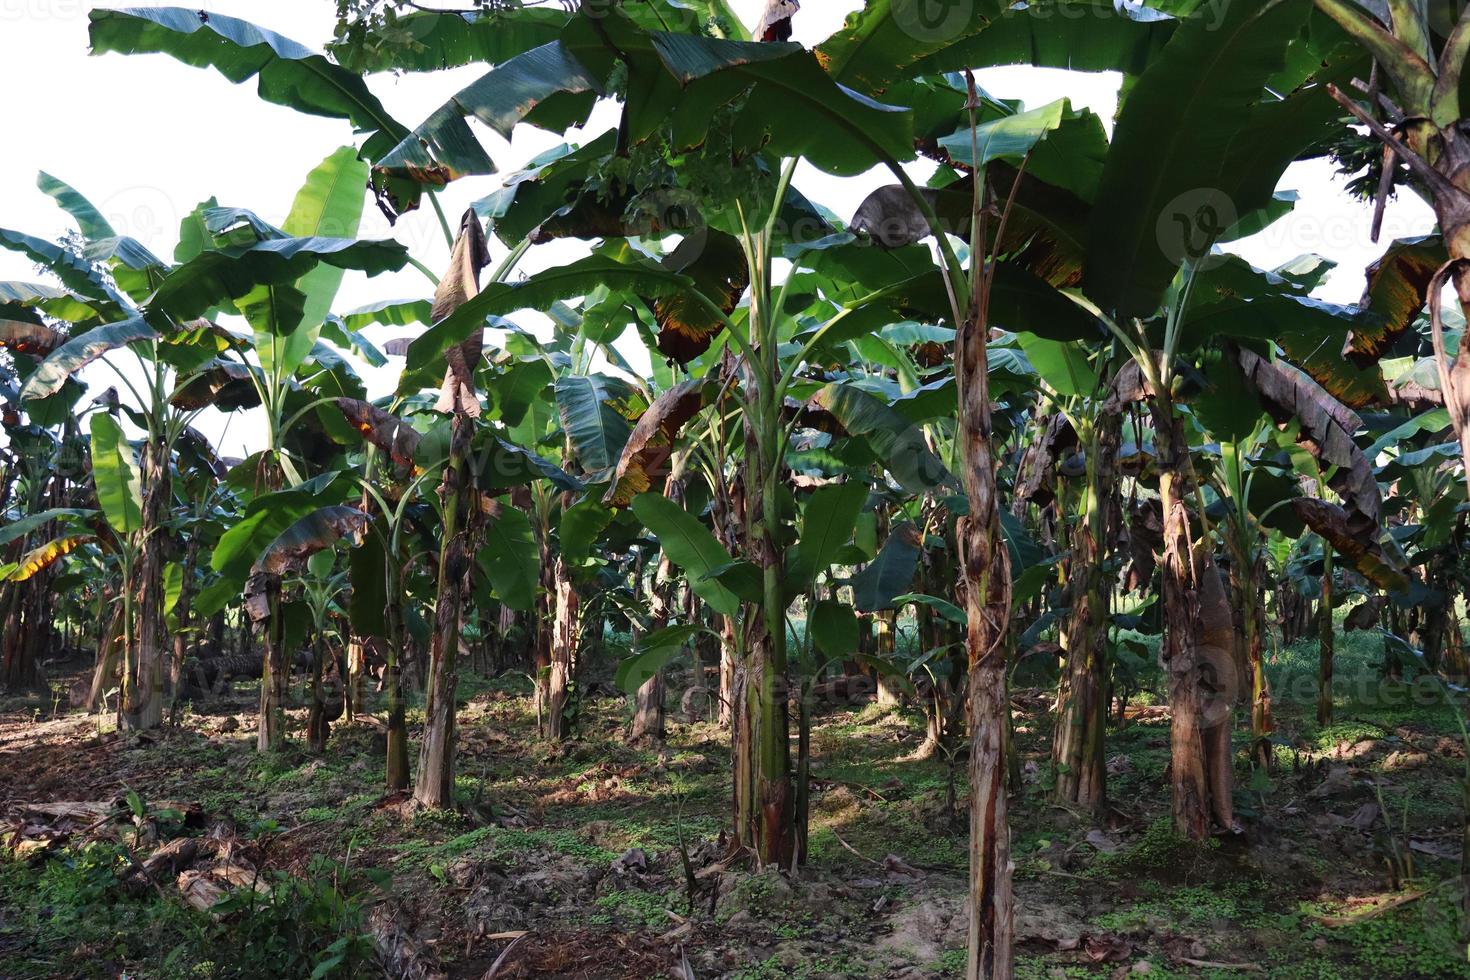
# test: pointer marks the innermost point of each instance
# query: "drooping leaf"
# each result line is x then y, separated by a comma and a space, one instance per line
654, 650
25, 525
289, 73
510, 558
42, 557
944, 607
265, 519
827, 523
889, 40
383, 429
459, 285
443, 148
593, 411
31, 339
224, 384
900, 445
318, 530
720, 273
834, 628
115, 472
689, 545
539, 292
891, 574
836, 129
1398, 284
215, 276
645, 456
1200, 141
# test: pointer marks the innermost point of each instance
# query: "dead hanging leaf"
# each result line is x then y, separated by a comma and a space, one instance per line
316, 531
43, 557
1364, 616
1341, 529
227, 385
1033, 475
1327, 428
646, 455
716, 263
386, 431
1129, 386
775, 22
461, 283
1398, 286
256, 596
31, 339
1145, 541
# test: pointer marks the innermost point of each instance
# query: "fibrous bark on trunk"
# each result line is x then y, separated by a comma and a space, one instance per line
1079, 752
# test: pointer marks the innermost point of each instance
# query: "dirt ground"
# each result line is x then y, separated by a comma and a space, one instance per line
593, 859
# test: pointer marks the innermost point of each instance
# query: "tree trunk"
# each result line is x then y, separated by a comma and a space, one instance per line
396, 761
885, 643
271, 730
563, 645
985, 566
1179, 651
106, 668
435, 785
144, 707
1079, 749
765, 799
182, 609
317, 728
1325, 640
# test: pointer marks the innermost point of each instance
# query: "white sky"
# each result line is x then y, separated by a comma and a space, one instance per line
147, 138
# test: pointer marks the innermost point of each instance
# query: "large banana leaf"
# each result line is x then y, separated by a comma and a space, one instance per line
539, 292
1200, 141
65, 361
328, 205
432, 40
443, 148
510, 558
115, 472
63, 304
889, 40
25, 525
594, 412
827, 522
219, 275
689, 545
289, 73
899, 444
89, 220
265, 519
792, 105
74, 273
891, 574
315, 532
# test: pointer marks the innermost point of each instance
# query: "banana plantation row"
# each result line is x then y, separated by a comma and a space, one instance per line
1027, 399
